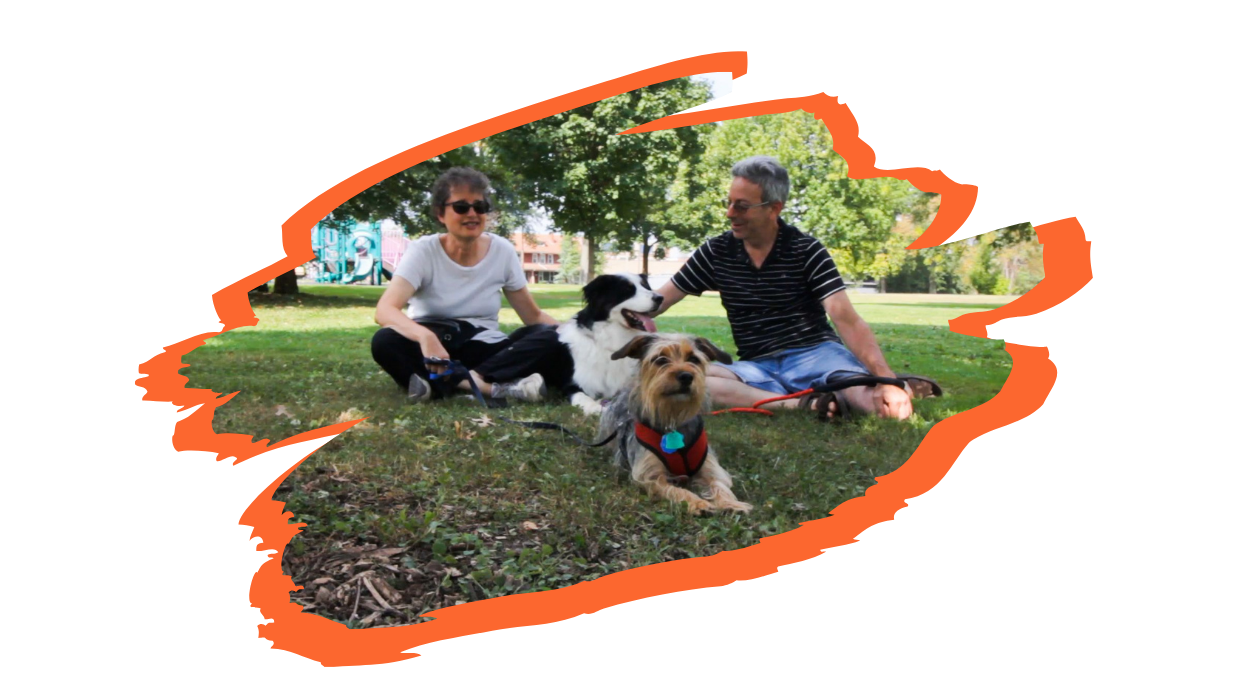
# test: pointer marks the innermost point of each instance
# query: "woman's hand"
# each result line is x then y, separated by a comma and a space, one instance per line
430, 346
525, 306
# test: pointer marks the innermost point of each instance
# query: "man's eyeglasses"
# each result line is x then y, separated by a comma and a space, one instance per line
461, 207
741, 207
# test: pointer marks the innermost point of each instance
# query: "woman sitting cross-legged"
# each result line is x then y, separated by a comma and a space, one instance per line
449, 285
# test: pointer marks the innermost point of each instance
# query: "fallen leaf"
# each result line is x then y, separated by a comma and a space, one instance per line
355, 414
321, 580
484, 421
387, 552
529, 525
282, 411
455, 573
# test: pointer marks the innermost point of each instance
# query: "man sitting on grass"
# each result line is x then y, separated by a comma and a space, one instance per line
779, 287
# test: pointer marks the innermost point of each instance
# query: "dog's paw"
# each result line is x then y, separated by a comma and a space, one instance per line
589, 406
699, 506
738, 506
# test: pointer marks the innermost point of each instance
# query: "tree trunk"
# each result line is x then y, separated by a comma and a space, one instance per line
647, 251
588, 260
287, 283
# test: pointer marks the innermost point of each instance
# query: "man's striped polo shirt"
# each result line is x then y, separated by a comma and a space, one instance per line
777, 307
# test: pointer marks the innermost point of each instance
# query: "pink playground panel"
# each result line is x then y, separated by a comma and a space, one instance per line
393, 245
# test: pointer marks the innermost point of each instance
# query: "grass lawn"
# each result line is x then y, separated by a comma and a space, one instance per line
433, 505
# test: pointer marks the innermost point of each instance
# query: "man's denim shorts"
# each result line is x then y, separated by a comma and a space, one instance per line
789, 371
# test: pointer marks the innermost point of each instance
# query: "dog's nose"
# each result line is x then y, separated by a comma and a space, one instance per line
656, 301
685, 378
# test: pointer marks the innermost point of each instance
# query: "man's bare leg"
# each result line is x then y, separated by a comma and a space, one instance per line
726, 389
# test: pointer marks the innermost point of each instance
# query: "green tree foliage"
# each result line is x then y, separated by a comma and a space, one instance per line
570, 261
853, 218
1012, 236
983, 275
979, 265
405, 197
1021, 264
609, 187
1005, 261
930, 271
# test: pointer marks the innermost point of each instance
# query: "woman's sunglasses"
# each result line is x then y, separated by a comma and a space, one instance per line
461, 207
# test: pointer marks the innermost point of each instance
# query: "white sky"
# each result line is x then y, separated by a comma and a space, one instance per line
720, 82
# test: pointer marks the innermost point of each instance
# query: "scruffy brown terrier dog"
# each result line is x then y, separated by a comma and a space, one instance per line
659, 421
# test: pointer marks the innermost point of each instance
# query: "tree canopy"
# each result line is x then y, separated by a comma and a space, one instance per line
663, 188
405, 197
609, 187
853, 218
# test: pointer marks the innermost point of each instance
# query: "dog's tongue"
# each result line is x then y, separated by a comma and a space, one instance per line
648, 323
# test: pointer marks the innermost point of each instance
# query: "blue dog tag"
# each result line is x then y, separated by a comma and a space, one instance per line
672, 442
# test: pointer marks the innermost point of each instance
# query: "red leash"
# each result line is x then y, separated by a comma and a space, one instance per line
754, 408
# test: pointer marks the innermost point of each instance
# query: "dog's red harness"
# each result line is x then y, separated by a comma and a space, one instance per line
684, 462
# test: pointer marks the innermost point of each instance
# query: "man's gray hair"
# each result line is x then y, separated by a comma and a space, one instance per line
766, 172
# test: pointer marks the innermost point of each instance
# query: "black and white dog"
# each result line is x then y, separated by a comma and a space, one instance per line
576, 356
615, 313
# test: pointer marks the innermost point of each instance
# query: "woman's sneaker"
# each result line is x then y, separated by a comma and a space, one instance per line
418, 390
531, 389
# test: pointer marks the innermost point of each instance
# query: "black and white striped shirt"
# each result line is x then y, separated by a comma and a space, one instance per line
777, 307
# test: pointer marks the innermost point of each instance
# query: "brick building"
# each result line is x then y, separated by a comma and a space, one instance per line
540, 256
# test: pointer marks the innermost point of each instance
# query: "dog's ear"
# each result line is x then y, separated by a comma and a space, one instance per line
712, 351
635, 348
598, 288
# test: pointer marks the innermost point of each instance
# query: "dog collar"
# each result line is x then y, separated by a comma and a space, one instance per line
682, 451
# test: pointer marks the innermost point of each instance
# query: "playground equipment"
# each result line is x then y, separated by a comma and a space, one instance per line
354, 253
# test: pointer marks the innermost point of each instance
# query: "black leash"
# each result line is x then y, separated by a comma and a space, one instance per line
860, 380
556, 426
456, 371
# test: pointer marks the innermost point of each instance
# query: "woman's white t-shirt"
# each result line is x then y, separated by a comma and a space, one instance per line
448, 290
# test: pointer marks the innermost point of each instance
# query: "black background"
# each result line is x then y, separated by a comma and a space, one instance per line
992, 549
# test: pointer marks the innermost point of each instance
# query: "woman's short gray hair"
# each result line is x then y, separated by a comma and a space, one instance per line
766, 172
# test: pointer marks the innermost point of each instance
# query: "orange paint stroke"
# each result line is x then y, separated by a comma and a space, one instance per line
333, 644
1061, 241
